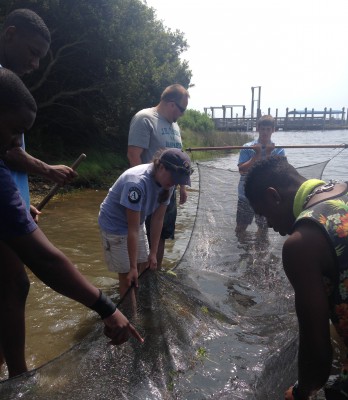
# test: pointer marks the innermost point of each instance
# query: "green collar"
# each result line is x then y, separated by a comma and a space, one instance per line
304, 190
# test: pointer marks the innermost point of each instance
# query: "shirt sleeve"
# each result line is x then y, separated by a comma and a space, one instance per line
140, 132
278, 152
245, 155
15, 220
132, 196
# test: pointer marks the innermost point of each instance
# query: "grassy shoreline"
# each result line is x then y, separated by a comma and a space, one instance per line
101, 168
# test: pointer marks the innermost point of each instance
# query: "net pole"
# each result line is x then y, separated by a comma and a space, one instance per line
292, 146
57, 186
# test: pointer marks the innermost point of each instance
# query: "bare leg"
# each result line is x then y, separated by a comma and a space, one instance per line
142, 267
14, 288
129, 301
160, 252
240, 229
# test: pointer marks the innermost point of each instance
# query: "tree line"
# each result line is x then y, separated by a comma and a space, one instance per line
107, 60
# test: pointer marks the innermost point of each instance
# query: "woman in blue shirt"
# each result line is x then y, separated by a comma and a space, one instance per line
140, 191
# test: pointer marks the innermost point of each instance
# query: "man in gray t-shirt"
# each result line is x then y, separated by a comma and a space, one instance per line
153, 129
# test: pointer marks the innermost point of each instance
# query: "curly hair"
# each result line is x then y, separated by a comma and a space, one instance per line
274, 172
14, 95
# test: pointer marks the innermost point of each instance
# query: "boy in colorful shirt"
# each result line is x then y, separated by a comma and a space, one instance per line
315, 258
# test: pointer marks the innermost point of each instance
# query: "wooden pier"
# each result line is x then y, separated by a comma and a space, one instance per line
294, 120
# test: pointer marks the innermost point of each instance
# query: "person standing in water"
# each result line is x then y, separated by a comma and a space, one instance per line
140, 191
23, 236
315, 258
154, 129
258, 149
24, 41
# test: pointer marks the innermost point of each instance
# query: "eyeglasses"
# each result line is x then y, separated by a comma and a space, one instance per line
181, 109
176, 168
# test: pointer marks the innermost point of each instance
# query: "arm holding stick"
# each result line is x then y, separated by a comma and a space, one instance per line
57, 186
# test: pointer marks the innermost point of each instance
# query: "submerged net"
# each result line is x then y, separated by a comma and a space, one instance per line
220, 325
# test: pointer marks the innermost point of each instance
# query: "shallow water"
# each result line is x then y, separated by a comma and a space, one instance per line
231, 287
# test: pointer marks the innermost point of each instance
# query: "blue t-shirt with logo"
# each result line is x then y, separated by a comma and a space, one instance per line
248, 153
137, 190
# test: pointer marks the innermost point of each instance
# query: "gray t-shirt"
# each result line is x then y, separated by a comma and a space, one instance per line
152, 132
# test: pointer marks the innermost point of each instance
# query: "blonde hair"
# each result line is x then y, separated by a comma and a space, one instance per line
266, 120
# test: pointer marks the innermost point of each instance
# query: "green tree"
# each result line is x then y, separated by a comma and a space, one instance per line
108, 59
197, 122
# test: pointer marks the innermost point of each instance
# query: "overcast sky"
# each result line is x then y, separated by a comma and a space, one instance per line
297, 51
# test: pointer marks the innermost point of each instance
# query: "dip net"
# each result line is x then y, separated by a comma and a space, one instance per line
219, 325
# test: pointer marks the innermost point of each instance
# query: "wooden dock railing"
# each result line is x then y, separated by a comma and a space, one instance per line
294, 120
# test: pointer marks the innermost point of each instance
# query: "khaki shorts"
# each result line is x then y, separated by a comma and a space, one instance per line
116, 250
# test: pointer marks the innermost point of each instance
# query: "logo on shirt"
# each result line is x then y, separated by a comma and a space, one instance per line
134, 195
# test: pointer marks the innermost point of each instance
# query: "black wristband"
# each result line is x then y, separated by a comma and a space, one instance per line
104, 306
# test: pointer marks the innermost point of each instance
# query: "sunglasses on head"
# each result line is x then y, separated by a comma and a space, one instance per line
176, 168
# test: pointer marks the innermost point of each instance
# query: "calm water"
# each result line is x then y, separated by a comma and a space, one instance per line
55, 323
336, 169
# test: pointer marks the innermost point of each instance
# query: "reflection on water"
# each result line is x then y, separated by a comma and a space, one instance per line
248, 325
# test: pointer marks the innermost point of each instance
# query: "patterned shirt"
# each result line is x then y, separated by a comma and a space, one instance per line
332, 217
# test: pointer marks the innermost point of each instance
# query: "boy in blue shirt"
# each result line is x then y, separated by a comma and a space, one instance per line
258, 149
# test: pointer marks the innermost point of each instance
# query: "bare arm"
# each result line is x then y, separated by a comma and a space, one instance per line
155, 233
133, 221
244, 167
52, 267
183, 194
19, 160
305, 254
134, 155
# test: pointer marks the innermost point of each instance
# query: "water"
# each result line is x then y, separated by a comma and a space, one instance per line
54, 323
336, 169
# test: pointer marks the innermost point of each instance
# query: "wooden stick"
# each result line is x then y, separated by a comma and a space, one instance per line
292, 146
57, 186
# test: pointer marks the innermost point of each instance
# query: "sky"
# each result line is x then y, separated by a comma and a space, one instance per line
296, 51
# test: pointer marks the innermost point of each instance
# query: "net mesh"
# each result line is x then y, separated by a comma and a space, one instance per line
219, 325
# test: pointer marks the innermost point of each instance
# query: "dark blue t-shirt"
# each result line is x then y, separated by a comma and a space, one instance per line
15, 220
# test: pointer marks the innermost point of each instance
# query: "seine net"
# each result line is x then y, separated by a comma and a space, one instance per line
219, 325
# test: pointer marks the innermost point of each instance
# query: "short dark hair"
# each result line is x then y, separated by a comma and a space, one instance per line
175, 93
274, 172
27, 20
14, 95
